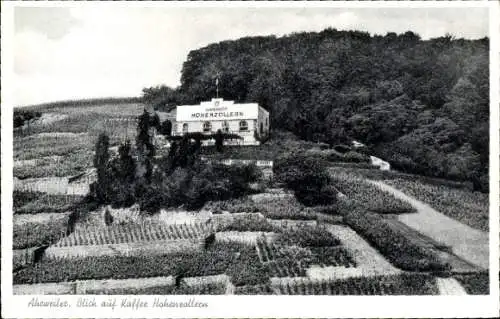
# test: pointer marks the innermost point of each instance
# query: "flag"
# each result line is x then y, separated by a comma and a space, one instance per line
216, 81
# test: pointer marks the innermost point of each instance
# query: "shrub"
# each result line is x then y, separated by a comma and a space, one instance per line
99, 188
22, 116
475, 284
335, 156
310, 195
192, 187
355, 157
307, 177
341, 148
108, 218
400, 250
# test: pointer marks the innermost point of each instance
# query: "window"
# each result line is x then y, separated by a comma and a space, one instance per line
267, 122
207, 127
243, 126
261, 128
185, 128
225, 127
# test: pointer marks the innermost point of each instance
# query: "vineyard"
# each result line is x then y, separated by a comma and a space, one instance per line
131, 233
369, 196
264, 243
471, 208
272, 207
38, 230
411, 284
402, 285
36, 202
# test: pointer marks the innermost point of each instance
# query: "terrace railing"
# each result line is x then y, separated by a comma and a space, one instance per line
230, 162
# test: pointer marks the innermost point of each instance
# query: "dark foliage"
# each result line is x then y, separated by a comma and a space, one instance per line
308, 177
219, 141
99, 188
162, 98
423, 105
22, 116
475, 283
209, 241
108, 218
179, 178
166, 128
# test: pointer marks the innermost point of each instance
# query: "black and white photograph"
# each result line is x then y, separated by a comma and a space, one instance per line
228, 150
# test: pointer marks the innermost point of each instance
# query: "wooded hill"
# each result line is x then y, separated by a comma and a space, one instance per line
422, 105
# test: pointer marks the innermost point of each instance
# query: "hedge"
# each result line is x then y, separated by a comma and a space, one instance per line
392, 243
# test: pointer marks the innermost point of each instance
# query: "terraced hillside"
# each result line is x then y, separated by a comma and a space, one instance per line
265, 243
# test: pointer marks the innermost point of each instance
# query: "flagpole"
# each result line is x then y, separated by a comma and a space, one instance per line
217, 86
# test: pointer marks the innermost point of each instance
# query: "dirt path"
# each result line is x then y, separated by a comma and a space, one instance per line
450, 286
466, 242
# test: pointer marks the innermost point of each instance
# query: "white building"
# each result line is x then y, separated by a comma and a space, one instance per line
248, 120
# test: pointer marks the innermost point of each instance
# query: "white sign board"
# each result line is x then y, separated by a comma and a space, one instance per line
217, 109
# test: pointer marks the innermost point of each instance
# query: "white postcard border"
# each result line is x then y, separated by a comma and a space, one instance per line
257, 306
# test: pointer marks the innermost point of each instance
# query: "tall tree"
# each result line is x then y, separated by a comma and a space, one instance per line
145, 148
101, 160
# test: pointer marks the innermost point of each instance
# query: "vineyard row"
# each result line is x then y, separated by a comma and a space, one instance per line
129, 233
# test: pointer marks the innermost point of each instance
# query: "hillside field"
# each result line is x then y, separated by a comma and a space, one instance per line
266, 242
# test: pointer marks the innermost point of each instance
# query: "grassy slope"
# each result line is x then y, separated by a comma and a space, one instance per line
90, 118
470, 208
76, 150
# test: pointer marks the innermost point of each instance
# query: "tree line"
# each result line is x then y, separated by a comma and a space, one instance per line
421, 104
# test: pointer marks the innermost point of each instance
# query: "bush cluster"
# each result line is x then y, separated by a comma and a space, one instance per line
22, 116
175, 179
195, 186
308, 177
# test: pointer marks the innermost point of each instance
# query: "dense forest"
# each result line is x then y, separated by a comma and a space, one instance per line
423, 105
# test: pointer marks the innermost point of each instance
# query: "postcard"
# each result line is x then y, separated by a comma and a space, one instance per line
250, 159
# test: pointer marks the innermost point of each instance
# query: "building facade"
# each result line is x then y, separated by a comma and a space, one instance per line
248, 120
